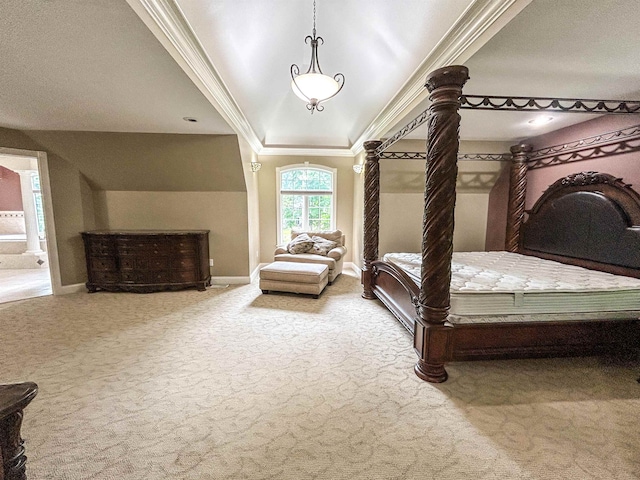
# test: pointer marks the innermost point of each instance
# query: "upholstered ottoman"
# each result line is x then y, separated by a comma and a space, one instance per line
294, 277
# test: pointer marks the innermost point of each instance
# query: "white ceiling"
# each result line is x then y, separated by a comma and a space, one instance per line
376, 44
143, 65
92, 65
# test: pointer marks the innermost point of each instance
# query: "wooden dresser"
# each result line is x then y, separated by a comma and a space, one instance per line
147, 260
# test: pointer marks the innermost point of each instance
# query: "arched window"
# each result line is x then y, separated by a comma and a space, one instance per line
306, 199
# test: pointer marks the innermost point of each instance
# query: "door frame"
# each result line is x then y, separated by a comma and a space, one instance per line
49, 222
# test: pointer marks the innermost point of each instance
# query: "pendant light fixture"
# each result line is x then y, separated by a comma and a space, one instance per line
314, 87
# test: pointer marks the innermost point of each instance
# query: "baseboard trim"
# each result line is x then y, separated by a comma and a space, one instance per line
230, 280
256, 272
81, 287
355, 268
68, 289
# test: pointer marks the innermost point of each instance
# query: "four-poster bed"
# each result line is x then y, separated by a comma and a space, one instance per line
589, 219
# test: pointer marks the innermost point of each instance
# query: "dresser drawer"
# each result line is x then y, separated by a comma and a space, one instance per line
103, 251
157, 263
184, 276
129, 262
145, 277
144, 262
186, 245
132, 276
128, 246
101, 246
103, 264
160, 276
184, 263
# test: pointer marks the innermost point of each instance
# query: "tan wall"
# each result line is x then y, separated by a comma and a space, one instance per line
358, 213
253, 204
70, 208
402, 185
94, 177
402, 199
150, 161
224, 213
497, 217
401, 222
67, 185
268, 206
117, 180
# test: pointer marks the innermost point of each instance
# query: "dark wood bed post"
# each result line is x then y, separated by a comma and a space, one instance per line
371, 215
517, 195
432, 332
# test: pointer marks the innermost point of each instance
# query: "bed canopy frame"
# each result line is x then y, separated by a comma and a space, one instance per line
429, 302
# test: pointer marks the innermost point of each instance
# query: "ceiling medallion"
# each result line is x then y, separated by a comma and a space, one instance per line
313, 86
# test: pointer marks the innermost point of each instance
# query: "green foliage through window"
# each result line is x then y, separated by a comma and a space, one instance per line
306, 200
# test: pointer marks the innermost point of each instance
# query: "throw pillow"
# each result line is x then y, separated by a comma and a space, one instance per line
332, 235
301, 244
322, 246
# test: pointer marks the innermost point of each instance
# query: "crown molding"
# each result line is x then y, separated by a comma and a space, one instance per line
306, 152
473, 29
481, 21
167, 22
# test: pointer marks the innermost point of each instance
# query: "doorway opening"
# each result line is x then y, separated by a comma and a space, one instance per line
25, 246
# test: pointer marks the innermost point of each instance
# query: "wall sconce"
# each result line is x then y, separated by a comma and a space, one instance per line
255, 166
358, 168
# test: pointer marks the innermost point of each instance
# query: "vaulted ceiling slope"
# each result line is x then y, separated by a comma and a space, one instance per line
144, 65
93, 65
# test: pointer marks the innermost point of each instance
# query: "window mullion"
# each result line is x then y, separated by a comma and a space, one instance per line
305, 212
306, 192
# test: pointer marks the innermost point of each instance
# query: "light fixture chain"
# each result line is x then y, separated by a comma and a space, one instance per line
314, 18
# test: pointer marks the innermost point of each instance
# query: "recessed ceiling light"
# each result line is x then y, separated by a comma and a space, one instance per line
538, 121
190, 119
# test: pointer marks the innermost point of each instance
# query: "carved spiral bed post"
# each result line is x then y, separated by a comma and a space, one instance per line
432, 333
517, 195
371, 215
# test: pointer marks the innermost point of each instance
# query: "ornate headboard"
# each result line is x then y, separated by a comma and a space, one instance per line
589, 219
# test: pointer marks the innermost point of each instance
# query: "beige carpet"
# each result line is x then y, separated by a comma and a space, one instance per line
232, 384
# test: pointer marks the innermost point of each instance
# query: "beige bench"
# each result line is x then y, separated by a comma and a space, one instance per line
294, 277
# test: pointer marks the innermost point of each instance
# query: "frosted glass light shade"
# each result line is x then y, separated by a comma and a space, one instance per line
314, 85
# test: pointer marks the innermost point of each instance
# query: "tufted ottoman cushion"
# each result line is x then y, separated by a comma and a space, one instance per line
294, 277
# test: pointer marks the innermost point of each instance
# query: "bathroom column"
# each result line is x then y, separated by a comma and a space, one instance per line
29, 208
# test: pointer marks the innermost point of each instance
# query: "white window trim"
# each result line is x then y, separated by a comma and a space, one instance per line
297, 166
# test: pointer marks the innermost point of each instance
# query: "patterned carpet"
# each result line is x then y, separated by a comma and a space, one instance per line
232, 384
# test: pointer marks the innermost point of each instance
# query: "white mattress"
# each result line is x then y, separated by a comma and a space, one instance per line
504, 283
